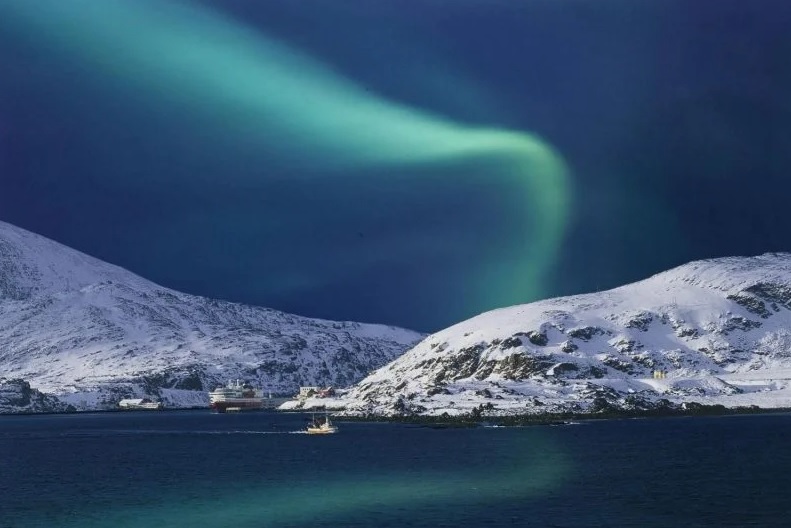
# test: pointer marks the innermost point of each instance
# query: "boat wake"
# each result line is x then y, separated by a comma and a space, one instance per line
242, 432
151, 432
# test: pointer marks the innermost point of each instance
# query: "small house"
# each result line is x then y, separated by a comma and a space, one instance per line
307, 392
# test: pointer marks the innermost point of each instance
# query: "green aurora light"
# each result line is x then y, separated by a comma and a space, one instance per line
258, 90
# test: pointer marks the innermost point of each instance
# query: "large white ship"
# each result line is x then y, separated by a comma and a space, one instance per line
236, 396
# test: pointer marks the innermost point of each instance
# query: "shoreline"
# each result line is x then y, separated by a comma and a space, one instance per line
443, 421
468, 420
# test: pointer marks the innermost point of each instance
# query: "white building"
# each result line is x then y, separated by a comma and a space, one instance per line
307, 392
139, 403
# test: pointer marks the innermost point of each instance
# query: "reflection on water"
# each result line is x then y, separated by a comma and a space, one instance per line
304, 480
250, 470
539, 467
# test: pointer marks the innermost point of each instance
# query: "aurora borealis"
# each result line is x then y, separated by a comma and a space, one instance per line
404, 164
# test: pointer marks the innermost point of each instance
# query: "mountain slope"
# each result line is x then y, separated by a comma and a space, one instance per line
16, 396
719, 330
92, 333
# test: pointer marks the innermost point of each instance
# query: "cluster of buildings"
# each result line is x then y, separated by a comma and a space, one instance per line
315, 392
229, 394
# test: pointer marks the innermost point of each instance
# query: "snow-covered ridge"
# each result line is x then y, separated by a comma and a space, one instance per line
33, 265
718, 331
93, 333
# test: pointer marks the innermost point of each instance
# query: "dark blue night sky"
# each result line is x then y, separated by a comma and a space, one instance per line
403, 171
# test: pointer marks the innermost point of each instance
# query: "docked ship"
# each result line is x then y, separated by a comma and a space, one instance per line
236, 396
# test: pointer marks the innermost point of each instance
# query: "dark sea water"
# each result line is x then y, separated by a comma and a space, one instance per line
200, 469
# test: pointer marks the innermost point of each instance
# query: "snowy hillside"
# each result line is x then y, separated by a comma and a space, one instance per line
92, 333
719, 330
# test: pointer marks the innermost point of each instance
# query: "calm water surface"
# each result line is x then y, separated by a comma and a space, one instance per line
199, 469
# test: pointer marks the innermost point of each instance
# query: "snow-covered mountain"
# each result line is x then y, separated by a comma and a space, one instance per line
715, 331
92, 333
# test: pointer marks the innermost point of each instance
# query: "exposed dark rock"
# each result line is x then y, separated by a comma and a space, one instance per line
751, 304
640, 321
440, 347
560, 369
193, 381
511, 342
634, 402
625, 346
465, 363
776, 293
407, 408
720, 356
16, 396
739, 323
644, 360
485, 369
437, 390
595, 372
586, 333
537, 338
685, 331
519, 366
480, 410
426, 363
619, 364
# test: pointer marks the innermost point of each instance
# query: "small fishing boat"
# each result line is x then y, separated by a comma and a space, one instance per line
322, 426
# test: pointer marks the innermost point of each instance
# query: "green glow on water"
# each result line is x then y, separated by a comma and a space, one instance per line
258, 91
541, 469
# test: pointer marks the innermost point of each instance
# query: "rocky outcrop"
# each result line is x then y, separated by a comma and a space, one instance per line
699, 333
16, 397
